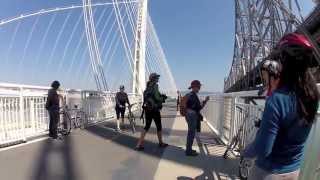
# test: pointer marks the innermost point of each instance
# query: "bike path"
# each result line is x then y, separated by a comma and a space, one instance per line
97, 153
100, 153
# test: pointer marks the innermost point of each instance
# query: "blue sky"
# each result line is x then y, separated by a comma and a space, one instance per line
196, 35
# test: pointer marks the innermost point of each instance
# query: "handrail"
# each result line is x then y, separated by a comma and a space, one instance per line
23, 113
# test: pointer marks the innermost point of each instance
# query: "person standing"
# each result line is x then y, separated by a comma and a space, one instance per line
53, 106
153, 101
270, 72
121, 101
288, 115
178, 100
193, 115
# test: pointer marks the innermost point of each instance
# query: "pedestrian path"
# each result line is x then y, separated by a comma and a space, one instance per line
209, 165
100, 153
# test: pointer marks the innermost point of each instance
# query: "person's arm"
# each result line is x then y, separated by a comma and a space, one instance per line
117, 99
268, 131
205, 102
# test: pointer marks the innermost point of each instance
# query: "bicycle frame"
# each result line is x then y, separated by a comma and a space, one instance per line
131, 118
69, 121
239, 141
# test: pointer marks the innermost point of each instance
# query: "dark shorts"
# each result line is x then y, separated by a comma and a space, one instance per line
120, 111
156, 117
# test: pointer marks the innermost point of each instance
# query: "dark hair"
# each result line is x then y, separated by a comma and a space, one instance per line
297, 76
55, 84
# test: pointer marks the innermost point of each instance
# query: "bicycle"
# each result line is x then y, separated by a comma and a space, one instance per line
79, 118
131, 118
236, 139
244, 166
64, 125
76, 120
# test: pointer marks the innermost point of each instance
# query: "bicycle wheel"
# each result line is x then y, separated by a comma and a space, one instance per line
225, 154
132, 122
63, 129
67, 123
75, 121
244, 169
231, 147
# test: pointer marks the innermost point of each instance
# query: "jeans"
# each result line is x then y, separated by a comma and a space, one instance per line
192, 120
259, 174
53, 124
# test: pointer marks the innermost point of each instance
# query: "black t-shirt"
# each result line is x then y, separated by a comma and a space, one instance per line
122, 98
53, 102
193, 102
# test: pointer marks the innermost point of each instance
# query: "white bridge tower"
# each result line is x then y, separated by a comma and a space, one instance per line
139, 70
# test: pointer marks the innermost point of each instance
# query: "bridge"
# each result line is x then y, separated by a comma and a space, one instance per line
117, 43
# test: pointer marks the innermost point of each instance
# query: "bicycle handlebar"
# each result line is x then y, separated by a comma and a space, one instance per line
130, 105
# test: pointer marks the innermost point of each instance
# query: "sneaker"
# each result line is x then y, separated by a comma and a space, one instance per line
163, 145
139, 148
192, 153
54, 137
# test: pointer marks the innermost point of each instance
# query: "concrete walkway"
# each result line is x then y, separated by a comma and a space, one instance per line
100, 153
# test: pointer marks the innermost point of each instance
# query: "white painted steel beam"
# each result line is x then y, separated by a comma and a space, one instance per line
46, 11
139, 70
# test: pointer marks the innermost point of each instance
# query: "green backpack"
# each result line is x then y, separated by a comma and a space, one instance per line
148, 100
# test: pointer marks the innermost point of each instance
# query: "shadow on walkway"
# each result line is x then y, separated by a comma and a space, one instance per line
153, 130
209, 163
55, 161
226, 168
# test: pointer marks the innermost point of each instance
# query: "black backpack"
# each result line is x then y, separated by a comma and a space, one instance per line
149, 104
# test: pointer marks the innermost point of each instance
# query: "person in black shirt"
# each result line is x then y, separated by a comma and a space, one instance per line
53, 105
153, 101
193, 115
178, 100
121, 100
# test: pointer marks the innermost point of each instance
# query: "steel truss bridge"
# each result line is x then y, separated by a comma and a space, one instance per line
259, 24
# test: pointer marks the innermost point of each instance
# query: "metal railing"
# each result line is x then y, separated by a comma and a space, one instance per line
99, 106
214, 114
23, 114
225, 114
246, 116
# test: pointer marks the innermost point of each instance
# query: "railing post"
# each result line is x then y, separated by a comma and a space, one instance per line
233, 118
22, 119
1, 120
32, 117
221, 118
